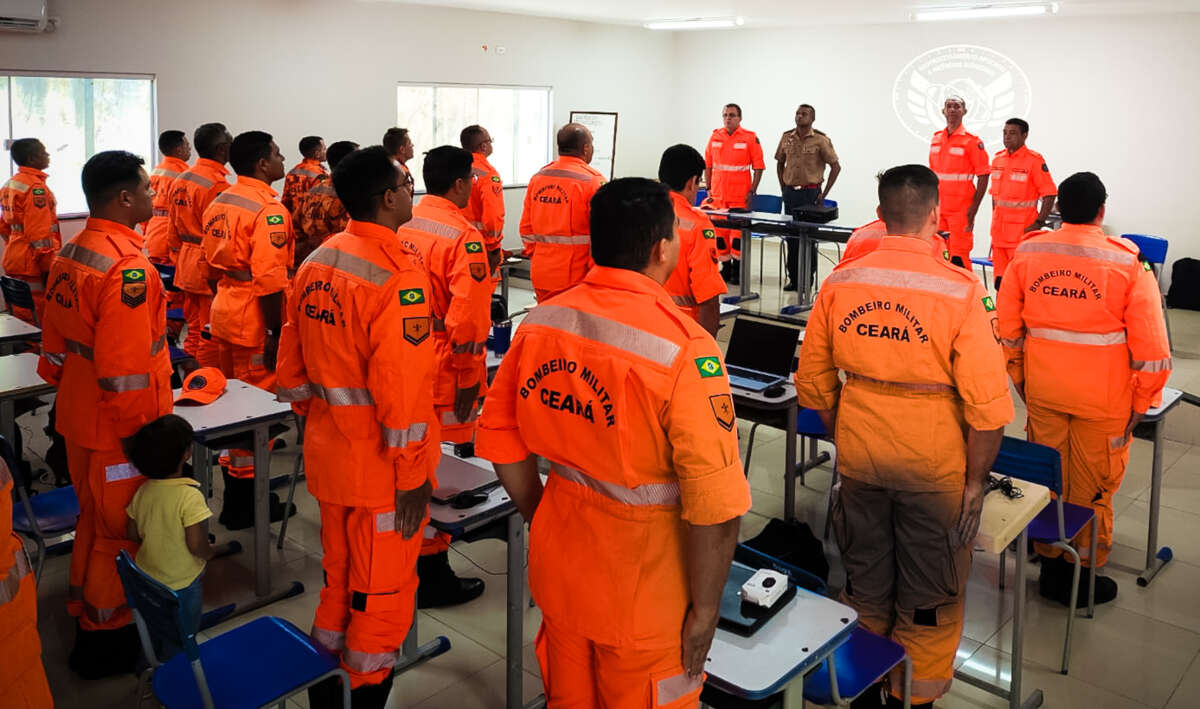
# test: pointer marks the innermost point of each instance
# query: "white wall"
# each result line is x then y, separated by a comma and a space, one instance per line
330, 67
1114, 95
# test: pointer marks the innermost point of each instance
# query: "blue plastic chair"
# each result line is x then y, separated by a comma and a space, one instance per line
1155, 250
166, 272
984, 264
50, 514
17, 294
858, 664
262, 662
1057, 524
701, 195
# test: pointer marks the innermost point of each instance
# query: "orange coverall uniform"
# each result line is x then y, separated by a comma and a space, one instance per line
318, 214
696, 278
300, 179
158, 227
104, 347
1082, 326
732, 159
485, 210
958, 160
914, 336
29, 226
191, 193
556, 224
866, 238
636, 419
1019, 181
22, 678
356, 357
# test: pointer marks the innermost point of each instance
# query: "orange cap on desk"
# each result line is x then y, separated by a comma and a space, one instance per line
203, 386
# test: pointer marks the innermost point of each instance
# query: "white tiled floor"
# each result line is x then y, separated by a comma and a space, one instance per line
1143, 650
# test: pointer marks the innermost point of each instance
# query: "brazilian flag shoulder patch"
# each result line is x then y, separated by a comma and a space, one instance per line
39, 190
988, 304
496, 178
412, 296
274, 219
709, 367
710, 234
133, 286
473, 247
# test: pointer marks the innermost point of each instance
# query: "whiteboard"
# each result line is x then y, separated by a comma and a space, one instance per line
603, 125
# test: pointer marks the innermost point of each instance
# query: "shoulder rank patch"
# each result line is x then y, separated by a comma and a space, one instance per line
278, 239
39, 190
473, 247
710, 234
478, 271
981, 145
709, 367
133, 287
989, 304
722, 408
495, 178
412, 296
416, 329
1146, 266
274, 219
1044, 168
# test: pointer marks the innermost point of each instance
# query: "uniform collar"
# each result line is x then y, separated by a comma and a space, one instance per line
812, 132
481, 159
115, 229
32, 171
212, 165
174, 163
370, 230
679, 200
1018, 151
571, 159
434, 201
962, 128
309, 162
625, 279
256, 185
734, 134
1082, 230
906, 242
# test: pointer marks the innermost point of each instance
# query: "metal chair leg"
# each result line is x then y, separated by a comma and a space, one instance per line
750, 448
1066, 658
1004, 565
1091, 611
829, 505
299, 466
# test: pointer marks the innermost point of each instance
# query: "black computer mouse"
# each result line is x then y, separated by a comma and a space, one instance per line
774, 391
466, 500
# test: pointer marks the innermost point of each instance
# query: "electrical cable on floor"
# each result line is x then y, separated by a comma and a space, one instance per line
472, 562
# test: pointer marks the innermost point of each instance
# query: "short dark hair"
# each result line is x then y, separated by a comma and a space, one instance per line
170, 140
1020, 123
247, 149
207, 137
339, 150
1080, 198
808, 106
443, 166
629, 216
471, 137
22, 150
107, 173
572, 139
679, 164
362, 177
734, 105
906, 195
157, 449
309, 145
393, 139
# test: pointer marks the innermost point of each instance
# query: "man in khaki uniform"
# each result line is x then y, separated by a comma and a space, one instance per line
800, 162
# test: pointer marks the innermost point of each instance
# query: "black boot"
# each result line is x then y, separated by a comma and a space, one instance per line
326, 694
372, 696
735, 272
105, 653
1051, 578
871, 698
440, 587
1106, 588
237, 512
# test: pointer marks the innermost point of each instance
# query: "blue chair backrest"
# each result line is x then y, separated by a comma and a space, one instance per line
831, 203
755, 559
768, 203
167, 273
16, 293
1154, 248
159, 609
1030, 461
701, 195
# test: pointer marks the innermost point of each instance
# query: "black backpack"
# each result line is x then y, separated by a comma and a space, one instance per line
1185, 285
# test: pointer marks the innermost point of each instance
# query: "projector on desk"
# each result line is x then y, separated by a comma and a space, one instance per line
818, 214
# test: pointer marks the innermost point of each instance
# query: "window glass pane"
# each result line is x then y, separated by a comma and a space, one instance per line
51, 109
497, 111
6, 163
414, 111
123, 117
531, 133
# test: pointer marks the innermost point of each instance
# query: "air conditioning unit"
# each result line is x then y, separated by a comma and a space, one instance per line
25, 16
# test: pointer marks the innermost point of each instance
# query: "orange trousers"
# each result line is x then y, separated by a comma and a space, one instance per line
196, 310
580, 674
954, 220
369, 598
245, 363
22, 677
1094, 455
95, 593
1001, 257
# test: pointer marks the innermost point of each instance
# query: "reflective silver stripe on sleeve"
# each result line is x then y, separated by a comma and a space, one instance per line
41, 244
566, 174
687, 224
1097, 339
1154, 365
85, 256
125, 382
910, 280
191, 239
401, 437
258, 360
303, 392
641, 496
449, 418
343, 396
237, 200
1011, 204
333, 640
1093, 252
685, 301
160, 212
1016, 344
239, 275
573, 240
305, 172
367, 662
55, 228
429, 226
469, 348
55, 358
323, 188
164, 172
923, 387
616, 334
197, 179
10, 586
732, 168
76, 347
17, 186
16, 228
951, 177
351, 265
476, 172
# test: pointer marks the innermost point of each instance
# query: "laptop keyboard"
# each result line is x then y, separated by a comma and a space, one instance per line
753, 376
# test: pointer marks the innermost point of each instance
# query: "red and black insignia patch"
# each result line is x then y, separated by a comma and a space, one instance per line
39, 202
416, 329
722, 408
478, 271
1044, 168
278, 239
981, 145
133, 287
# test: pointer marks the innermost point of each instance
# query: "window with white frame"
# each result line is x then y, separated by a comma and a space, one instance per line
76, 117
517, 117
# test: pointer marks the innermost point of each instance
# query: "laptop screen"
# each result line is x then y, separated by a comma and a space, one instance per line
764, 346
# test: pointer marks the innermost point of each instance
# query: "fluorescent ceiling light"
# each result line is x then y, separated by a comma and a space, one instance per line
985, 12
696, 23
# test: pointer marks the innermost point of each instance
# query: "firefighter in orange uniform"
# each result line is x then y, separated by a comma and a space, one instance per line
1020, 178
695, 285
917, 425
22, 676
29, 223
308, 172
355, 358
554, 220
866, 238
248, 243
1082, 325
455, 259
104, 347
961, 164
399, 145
485, 209
318, 213
191, 193
627, 398
176, 151
733, 155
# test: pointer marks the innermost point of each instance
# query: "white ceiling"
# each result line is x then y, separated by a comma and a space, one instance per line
774, 13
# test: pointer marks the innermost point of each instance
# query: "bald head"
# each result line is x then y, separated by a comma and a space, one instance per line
575, 140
